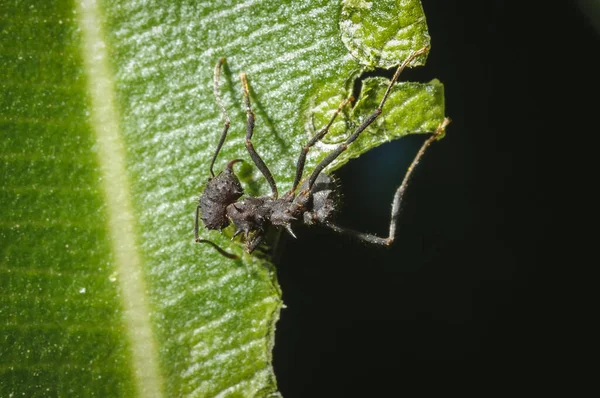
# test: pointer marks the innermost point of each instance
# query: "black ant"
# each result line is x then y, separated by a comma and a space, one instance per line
315, 201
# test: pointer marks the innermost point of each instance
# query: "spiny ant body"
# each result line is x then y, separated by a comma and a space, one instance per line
312, 202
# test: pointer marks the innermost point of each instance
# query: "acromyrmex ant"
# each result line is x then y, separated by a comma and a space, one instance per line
312, 202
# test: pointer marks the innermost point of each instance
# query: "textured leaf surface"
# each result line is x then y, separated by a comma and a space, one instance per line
108, 124
377, 34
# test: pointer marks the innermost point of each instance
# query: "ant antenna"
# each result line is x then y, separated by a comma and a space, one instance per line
217, 92
250, 119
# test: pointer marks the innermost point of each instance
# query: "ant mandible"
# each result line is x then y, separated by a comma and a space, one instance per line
314, 203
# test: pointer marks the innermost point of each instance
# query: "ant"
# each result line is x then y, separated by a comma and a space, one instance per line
314, 203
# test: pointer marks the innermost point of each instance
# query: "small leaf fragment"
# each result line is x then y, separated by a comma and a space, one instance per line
384, 33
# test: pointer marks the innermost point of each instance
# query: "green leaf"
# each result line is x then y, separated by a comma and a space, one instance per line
384, 33
108, 124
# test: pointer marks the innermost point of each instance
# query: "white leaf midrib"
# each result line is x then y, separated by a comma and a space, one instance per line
111, 157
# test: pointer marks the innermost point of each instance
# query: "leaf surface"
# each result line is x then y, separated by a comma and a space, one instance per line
108, 124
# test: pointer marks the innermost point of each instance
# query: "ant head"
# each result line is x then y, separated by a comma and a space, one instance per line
221, 191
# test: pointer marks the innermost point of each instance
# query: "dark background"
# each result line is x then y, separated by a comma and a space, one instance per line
461, 303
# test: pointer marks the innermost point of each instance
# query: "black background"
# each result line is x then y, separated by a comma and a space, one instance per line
461, 302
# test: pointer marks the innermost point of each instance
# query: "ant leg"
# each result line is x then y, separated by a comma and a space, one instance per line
398, 196
317, 137
249, 131
217, 248
253, 243
342, 147
196, 236
227, 122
